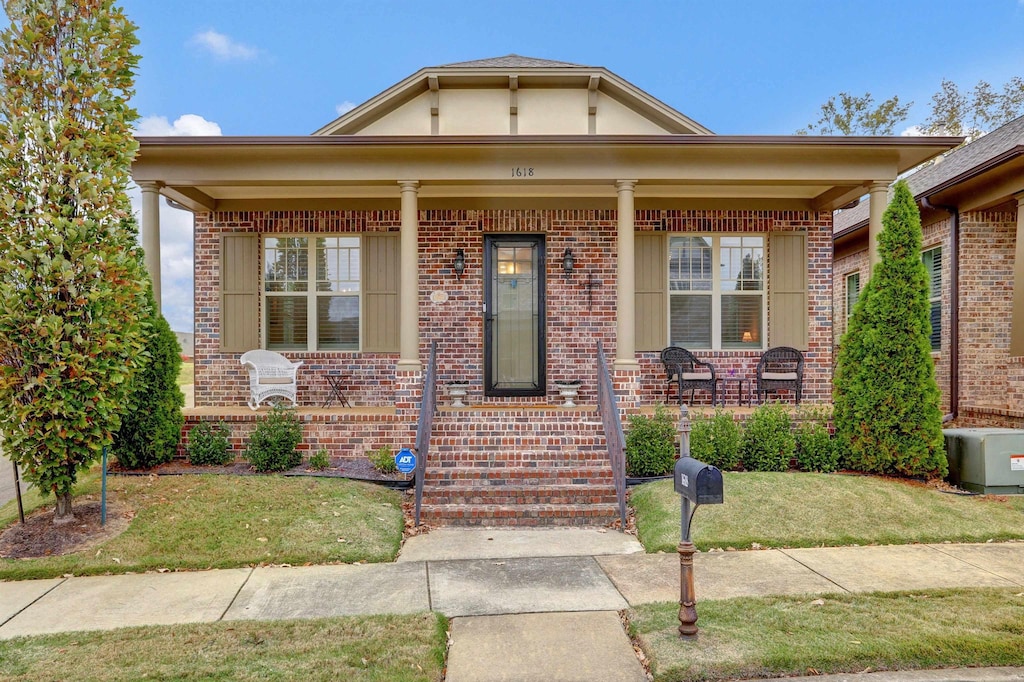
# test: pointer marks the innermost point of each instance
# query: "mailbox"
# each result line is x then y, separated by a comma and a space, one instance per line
698, 482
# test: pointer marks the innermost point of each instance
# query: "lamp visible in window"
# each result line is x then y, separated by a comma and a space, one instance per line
568, 262
748, 337
460, 263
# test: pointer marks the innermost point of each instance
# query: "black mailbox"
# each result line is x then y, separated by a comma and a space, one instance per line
698, 482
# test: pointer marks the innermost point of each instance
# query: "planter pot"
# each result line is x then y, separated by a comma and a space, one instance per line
457, 391
568, 390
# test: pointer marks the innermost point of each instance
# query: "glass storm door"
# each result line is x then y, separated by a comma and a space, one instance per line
514, 316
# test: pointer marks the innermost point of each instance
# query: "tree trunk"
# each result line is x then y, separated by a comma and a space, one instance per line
62, 513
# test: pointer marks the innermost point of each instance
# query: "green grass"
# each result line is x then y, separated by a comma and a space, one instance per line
187, 375
774, 636
808, 510
370, 649
198, 522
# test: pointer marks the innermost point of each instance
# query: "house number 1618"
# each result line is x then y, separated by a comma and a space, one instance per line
520, 172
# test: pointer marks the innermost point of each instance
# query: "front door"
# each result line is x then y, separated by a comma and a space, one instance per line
514, 316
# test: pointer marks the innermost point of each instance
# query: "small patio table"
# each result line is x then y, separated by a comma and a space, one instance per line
733, 379
337, 391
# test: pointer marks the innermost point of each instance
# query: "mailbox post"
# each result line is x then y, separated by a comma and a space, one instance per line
697, 483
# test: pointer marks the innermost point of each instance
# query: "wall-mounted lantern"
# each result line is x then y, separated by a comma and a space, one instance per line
459, 265
568, 262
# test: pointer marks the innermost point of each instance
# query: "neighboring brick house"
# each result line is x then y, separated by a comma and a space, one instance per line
450, 208
973, 248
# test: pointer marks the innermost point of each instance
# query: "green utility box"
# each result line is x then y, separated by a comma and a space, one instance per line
987, 461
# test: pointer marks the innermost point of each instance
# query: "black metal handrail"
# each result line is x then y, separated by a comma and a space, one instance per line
608, 407
428, 405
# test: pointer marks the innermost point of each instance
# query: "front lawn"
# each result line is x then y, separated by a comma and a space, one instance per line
361, 649
187, 374
809, 510
782, 636
209, 521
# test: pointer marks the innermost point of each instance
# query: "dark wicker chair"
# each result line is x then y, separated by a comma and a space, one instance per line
687, 373
780, 368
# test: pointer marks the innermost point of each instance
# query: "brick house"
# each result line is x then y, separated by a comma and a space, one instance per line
516, 211
973, 247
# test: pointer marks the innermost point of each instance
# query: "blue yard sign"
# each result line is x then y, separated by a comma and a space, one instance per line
405, 461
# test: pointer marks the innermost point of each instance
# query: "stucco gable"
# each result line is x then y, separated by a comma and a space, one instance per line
513, 95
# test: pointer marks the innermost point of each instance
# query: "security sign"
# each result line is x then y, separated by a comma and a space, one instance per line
405, 460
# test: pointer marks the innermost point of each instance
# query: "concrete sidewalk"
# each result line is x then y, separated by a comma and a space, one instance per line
527, 597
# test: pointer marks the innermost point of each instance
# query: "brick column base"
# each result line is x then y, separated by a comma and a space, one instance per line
408, 390
627, 388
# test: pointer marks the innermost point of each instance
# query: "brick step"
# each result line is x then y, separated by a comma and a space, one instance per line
523, 476
519, 458
520, 515
519, 495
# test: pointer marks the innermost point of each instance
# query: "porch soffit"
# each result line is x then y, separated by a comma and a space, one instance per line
821, 173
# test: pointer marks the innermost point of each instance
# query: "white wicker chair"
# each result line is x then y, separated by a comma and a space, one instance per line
270, 374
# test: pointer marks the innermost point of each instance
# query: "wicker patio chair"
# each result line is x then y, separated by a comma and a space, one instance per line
687, 373
780, 368
270, 374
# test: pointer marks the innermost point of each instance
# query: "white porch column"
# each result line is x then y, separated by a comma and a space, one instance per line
1017, 319
408, 293
878, 198
151, 233
625, 331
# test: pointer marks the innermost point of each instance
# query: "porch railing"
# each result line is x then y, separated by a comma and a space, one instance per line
428, 406
608, 407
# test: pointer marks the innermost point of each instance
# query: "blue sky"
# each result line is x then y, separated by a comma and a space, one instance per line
286, 67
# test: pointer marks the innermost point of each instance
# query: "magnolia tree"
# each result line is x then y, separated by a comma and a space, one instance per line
71, 280
887, 414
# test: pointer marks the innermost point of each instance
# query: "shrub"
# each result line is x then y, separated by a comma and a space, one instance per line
815, 450
272, 444
768, 442
320, 461
383, 459
651, 444
151, 420
716, 440
209, 443
887, 414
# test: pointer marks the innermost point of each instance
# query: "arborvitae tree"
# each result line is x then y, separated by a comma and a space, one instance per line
71, 281
152, 420
887, 414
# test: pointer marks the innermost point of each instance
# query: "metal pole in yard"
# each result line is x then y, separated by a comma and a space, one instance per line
17, 490
103, 490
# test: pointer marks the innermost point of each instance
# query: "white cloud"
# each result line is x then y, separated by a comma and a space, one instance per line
223, 47
187, 125
347, 106
916, 131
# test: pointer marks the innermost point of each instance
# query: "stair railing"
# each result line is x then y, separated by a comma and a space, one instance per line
608, 408
428, 405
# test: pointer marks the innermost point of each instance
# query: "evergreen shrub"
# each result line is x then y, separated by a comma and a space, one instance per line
768, 443
651, 444
320, 461
815, 450
716, 440
383, 459
272, 444
209, 444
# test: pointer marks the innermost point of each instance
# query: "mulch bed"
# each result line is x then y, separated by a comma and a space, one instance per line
340, 467
38, 537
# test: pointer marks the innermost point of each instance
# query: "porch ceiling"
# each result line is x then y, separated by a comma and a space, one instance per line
218, 173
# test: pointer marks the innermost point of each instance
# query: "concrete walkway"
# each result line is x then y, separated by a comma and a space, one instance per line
526, 605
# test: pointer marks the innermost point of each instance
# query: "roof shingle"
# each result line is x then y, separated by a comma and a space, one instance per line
511, 61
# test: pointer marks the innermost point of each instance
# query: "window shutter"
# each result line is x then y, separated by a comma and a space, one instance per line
787, 304
380, 305
239, 292
650, 252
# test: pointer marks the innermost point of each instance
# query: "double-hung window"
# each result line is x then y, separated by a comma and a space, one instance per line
933, 266
311, 293
717, 291
852, 293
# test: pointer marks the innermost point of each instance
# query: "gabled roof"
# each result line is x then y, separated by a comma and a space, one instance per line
970, 160
496, 72
511, 61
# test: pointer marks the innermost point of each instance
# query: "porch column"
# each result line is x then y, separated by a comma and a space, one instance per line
408, 293
625, 331
1017, 320
878, 198
151, 233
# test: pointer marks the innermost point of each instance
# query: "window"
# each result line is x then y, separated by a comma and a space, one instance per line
933, 266
852, 292
311, 313
716, 307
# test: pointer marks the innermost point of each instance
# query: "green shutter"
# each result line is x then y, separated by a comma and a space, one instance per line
651, 280
787, 283
239, 292
380, 293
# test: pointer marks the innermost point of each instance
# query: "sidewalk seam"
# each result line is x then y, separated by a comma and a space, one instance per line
821, 575
31, 603
980, 568
430, 600
237, 592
